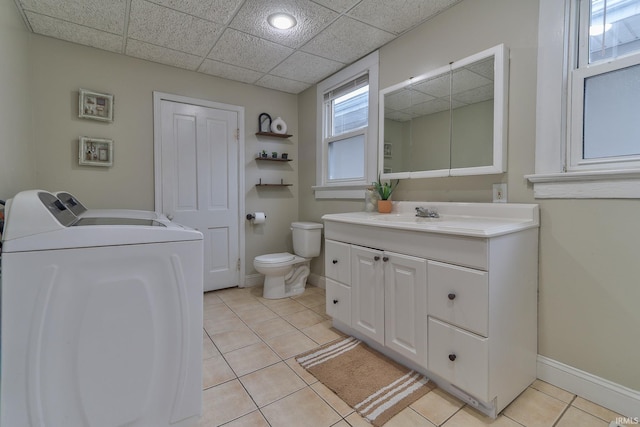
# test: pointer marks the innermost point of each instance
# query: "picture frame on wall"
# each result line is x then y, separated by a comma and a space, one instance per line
95, 106
95, 151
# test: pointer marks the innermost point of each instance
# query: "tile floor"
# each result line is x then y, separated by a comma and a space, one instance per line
252, 379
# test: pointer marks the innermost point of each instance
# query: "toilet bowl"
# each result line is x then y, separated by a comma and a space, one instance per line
286, 274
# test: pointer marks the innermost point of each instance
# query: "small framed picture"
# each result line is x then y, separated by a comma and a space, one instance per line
95, 106
95, 151
388, 150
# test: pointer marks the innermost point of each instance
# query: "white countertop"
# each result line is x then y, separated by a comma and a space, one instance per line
466, 219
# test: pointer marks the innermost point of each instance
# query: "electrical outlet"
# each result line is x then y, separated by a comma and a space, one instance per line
500, 193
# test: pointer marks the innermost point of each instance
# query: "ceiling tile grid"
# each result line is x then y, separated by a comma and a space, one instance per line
231, 38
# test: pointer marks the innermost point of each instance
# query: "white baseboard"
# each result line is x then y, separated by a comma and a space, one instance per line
317, 280
616, 397
253, 280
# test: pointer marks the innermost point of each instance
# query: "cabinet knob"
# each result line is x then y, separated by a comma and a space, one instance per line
335, 301
376, 258
335, 261
451, 296
385, 259
452, 357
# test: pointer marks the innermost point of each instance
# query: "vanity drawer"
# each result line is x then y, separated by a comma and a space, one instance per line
337, 261
338, 299
459, 357
459, 296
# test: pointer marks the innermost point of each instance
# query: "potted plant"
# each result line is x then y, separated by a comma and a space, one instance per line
264, 153
274, 154
384, 191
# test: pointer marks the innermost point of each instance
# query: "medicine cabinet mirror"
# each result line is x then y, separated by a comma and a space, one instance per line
447, 122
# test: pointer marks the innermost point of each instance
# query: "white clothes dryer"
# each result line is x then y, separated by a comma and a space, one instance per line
101, 319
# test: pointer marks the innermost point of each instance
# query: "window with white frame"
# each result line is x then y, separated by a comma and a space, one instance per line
347, 130
587, 131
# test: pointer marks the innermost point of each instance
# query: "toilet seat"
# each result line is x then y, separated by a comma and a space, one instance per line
275, 258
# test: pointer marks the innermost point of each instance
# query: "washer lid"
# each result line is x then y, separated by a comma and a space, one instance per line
306, 225
275, 258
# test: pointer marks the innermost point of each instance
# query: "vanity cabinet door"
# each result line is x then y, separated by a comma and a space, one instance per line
338, 299
337, 261
405, 311
367, 292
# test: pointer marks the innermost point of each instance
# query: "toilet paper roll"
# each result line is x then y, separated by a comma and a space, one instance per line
259, 218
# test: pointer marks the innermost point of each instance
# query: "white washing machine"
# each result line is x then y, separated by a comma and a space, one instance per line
101, 319
81, 211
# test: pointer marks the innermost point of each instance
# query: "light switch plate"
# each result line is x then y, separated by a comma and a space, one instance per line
500, 192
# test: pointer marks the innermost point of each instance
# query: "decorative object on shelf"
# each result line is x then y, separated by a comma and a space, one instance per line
95, 151
264, 154
371, 198
274, 154
264, 123
384, 191
285, 156
95, 105
279, 126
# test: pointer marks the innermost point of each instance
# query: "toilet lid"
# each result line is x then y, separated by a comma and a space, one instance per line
275, 258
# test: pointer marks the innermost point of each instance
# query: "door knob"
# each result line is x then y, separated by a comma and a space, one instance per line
335, 301
385, 259
451, 296
376, 258
335, 261
452, 357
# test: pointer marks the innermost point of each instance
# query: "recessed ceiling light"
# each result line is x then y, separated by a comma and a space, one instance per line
281, 21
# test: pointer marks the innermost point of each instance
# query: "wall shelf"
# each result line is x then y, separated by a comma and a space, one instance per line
274, 135
280, 184
271, 159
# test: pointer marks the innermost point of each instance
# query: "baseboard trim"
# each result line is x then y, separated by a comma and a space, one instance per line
616, 397
317, 280
253, 280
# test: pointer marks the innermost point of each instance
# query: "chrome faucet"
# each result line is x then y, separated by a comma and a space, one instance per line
426, 212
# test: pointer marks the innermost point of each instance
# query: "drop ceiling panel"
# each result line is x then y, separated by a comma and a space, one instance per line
347, 40
166, 27
99, 14
338, 5
220, 11
247, 51
230, 72
306, 68
279, 83
162, 55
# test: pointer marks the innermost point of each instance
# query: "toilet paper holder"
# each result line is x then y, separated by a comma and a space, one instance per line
251, 216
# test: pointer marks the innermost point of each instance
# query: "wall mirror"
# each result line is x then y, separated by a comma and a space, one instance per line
447, 122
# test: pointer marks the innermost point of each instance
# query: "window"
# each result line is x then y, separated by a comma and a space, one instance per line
347, 130
587, 131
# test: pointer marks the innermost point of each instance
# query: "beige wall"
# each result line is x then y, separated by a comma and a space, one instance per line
588, 277
17, 166
60, 68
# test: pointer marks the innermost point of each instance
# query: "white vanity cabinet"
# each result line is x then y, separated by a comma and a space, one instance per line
458, 304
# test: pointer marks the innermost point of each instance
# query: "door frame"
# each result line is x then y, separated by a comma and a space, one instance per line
158, 97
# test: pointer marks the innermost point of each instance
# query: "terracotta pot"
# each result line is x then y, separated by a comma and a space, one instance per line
384, 206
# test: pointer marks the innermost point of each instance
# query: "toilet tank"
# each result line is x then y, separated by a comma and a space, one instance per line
307, 237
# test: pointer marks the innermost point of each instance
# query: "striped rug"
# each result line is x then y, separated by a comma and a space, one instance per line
371, 383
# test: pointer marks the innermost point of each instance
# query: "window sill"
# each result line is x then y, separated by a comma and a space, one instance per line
605, 184
339, 192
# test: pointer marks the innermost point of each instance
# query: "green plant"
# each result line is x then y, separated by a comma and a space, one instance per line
385, 189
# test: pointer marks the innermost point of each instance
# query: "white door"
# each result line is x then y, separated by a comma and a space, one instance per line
199, 182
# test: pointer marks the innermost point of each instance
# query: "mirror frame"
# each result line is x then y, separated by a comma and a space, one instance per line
500, 116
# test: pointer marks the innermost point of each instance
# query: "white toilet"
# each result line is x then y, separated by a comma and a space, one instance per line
285, 274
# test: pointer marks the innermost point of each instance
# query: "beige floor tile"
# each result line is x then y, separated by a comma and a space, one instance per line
322, 332
356, 420
235, 339
223, 323
437, 406
535, 409
285, 306
225, 403
341, 423
302, 373
310, 299
215, 371
469, 417
303, 408
253, 419
272, 383
553, 391
575, 417
597, 410
332, 399
210, 299
408, 418
303, 319
256, 315
251, 358
217, 312
291, 344
272, 328
321, 309
244, 304
208, 349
